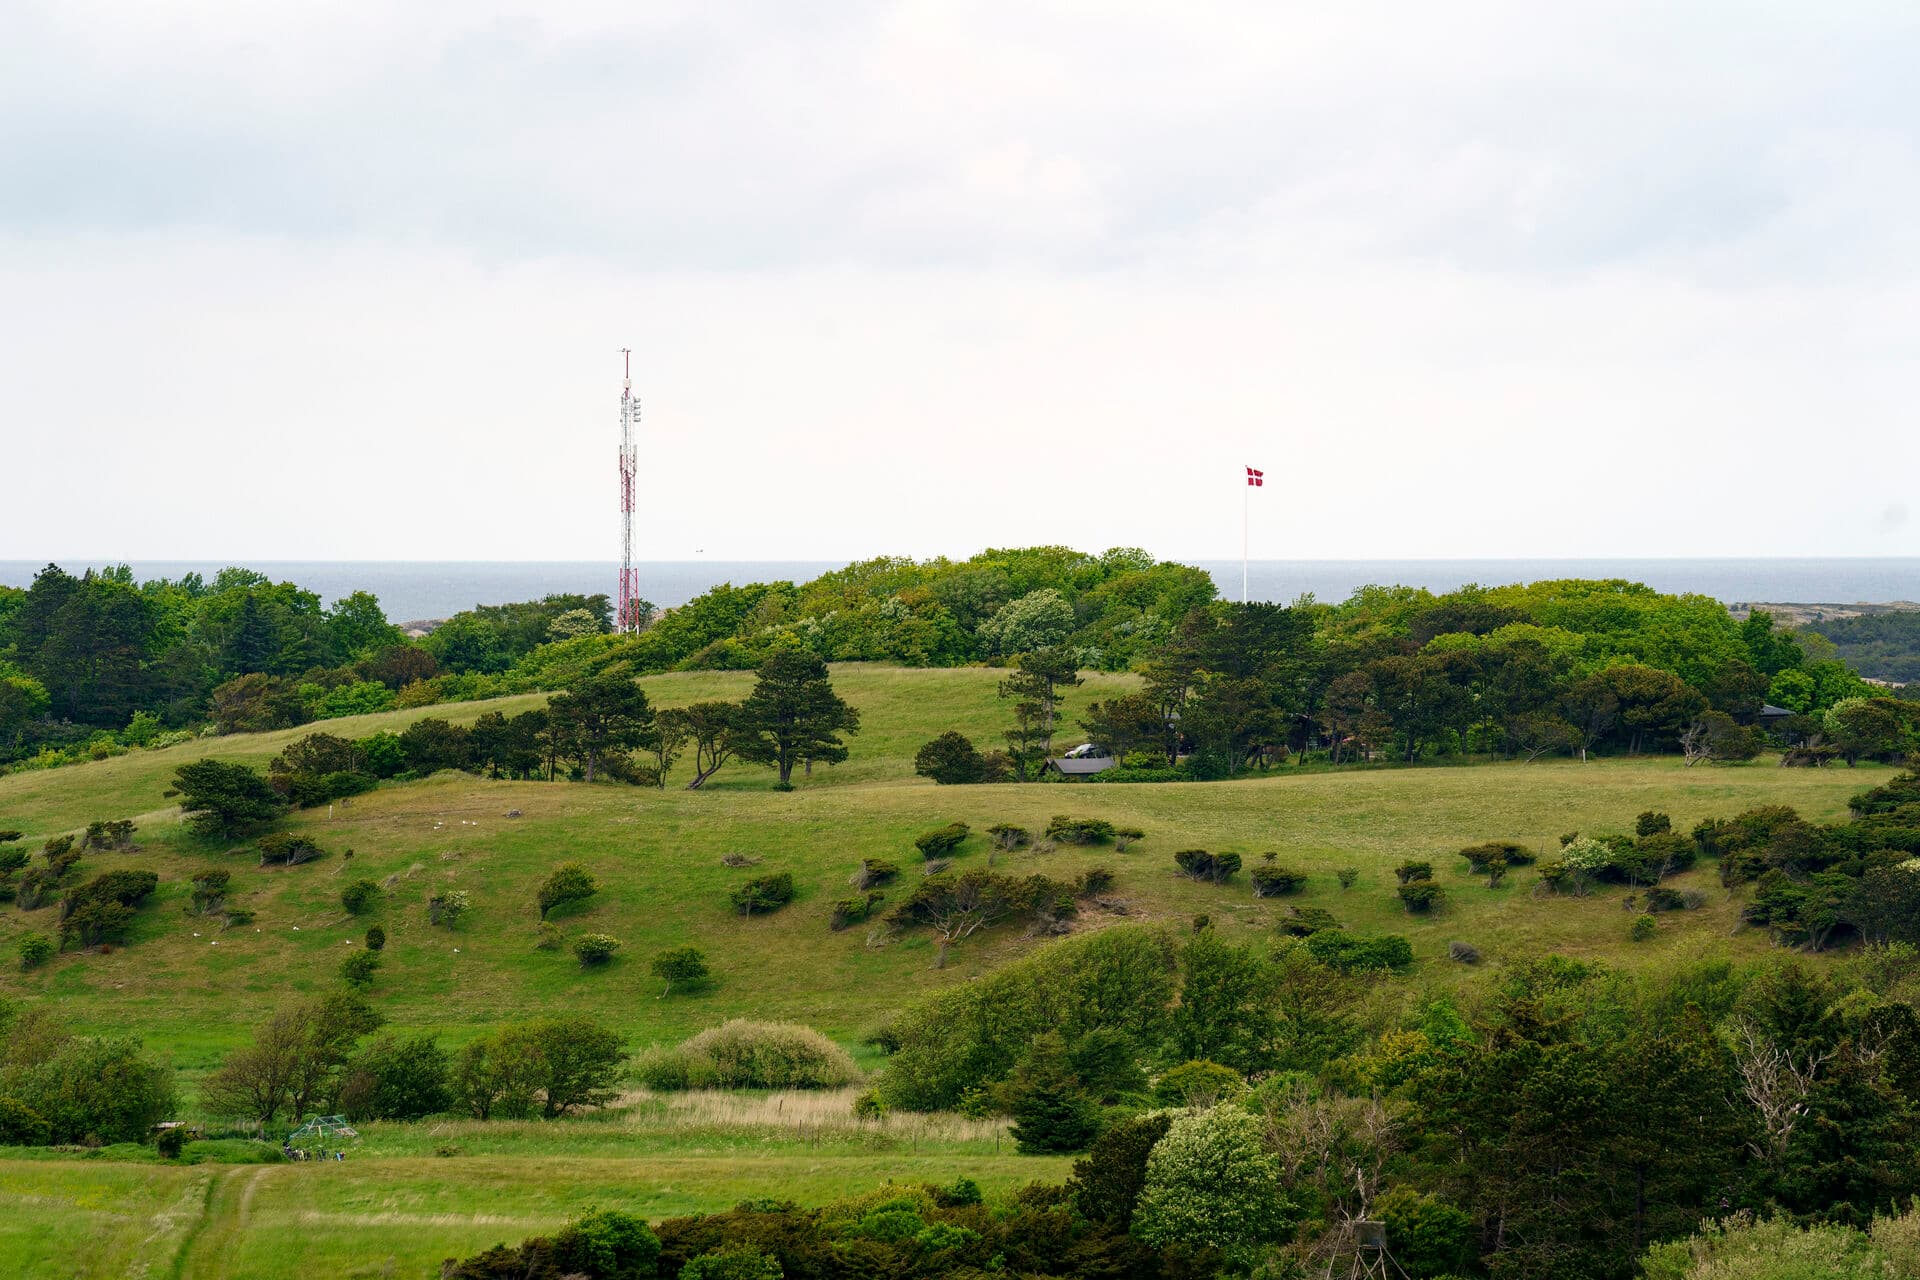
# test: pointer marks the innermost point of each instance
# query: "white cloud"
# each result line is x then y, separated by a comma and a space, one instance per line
1489, 279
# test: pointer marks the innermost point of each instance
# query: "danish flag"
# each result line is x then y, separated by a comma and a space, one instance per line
1256, 478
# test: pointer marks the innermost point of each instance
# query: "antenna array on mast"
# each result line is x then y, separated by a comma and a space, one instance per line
626, 615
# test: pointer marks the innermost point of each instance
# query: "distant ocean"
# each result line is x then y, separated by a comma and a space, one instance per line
412, 590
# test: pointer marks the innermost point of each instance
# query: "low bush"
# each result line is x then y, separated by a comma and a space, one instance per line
1422, 897
1347, 876
35, 949
360, 896
447, 908
568, 885
1276, 882
595, 949
1463, 952
112, 837
1302, 921
1068, 830
1651, 823
686, 966
873, 873
742, 1054
1007, 837
1095, 881
209, 894
1214, 868
1345, 953
952, 760
357, 969
376, 938
1410, 872
1642, 928
1505, 851
1125, 836
548, 936
852, 911
942, 841
171, 1141
763, 893
285, 849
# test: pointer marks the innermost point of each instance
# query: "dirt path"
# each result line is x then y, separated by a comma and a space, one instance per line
207, 1245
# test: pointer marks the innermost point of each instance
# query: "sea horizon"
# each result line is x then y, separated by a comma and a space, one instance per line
419, 590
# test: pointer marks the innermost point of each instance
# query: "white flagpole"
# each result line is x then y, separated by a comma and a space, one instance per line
1246, 503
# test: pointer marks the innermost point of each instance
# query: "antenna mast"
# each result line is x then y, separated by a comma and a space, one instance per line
626, 616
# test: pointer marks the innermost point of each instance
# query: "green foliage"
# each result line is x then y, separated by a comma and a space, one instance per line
447, 908
1276, 882
1211, 1183
221, 798
1007, 837
376, 938
1213, 868
951, 759
1199, 1083
1079, 831
397, 1078
1642, 929
360, 896
284, 849
358, 968
1347, 876
763, 894
569, 885
1412, 872
1427, 1236
170, 1142
35, 949
595, 950
684, 966
741, 1054
1120, 978
941, 841
793, 715
1226, 1009
1107, 1182
735, 1262
1422, 897
1344, 953
1508, 852
1051, 1110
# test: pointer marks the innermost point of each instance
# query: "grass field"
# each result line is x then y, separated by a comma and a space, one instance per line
193, 991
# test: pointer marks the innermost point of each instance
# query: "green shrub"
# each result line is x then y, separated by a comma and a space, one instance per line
1008, 837
1642, 928
952, 760
1068, 830
447, 908
35, 950
851, 911
549, 936
360, 896
1428, 1236
763, 893
358, 968
1347, 876
686, 966
171, 1141
941, 842
285, 849
1410, 872
741, 1054
1214, 868
1199, 1083
1051, 1112
1125, 836
569, 885
1504, 851
234, 917
595, 949
376, 938
874, 873
1347, 954
398, 1079
1095, 881
210, 892
1211, 1183
1422, 897
1651, 823
1304, 921
606, 1245
1106, 1183
1276, 882
734, 1262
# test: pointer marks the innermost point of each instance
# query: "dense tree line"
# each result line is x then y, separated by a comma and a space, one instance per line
1885, 646
1564, 667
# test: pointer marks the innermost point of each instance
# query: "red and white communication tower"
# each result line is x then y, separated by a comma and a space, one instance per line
626, 615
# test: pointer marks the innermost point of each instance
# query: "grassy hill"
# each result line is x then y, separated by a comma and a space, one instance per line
194, 991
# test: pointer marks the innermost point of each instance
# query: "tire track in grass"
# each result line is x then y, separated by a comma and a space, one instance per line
205, 1250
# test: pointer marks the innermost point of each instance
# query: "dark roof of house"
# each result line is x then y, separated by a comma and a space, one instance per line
1083, 765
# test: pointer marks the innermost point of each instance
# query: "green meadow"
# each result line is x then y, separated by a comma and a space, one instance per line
413, 1194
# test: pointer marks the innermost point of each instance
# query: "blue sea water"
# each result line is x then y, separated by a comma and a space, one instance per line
411, 590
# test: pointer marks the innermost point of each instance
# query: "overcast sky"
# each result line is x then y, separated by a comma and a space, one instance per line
342, 280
